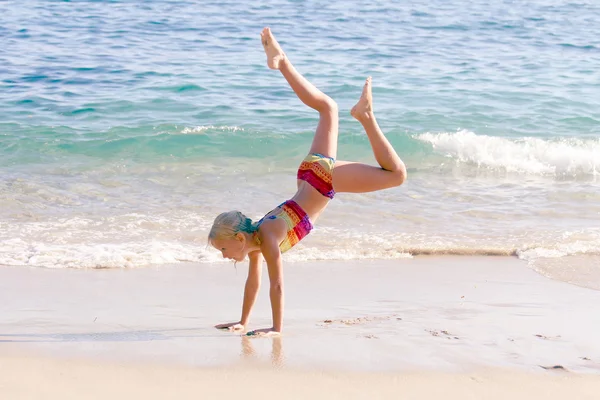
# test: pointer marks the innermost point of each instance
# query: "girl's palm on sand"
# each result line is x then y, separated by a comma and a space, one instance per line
232, 326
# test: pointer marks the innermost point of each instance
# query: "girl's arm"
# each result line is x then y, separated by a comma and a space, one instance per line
250, 293
252, 285
272, 254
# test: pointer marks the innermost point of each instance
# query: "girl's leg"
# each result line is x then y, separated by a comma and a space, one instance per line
358, 178
325, 140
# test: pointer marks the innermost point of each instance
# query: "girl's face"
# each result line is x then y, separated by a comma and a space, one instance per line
233, 249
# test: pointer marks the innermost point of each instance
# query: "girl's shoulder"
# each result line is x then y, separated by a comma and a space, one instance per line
271, 225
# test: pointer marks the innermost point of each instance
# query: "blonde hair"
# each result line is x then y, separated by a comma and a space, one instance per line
229, 223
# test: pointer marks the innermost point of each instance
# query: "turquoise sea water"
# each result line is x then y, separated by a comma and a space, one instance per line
126, 126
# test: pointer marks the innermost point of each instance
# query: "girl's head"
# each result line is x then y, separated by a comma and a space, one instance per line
231, 234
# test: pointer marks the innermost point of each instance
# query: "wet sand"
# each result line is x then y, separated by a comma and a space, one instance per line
466, 323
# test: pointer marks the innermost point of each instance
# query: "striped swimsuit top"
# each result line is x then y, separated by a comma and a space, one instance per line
296, 219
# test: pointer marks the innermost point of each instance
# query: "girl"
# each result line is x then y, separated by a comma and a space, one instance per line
319, 177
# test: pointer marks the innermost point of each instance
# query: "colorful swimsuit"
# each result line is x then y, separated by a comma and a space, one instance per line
296, 219
316, 169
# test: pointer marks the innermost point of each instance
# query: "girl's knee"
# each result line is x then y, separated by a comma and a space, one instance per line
328, 105
398, 176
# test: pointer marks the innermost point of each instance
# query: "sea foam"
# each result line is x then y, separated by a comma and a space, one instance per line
565, 157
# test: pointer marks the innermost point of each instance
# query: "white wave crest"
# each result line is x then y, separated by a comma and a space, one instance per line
137, 240
560, 157
200, 129
102, 255
586, 242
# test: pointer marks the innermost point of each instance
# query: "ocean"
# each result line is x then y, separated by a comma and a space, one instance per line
127, 126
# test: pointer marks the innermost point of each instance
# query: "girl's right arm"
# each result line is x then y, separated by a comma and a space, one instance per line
252, 285
250, 293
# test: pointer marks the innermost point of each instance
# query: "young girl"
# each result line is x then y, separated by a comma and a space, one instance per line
319, 177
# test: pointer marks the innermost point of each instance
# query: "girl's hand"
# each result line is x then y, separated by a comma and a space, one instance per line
232, 326
267, 332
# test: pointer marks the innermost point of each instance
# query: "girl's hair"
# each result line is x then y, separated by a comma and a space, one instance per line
229, 223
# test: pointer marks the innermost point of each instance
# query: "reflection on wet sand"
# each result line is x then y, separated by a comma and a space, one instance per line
277, 356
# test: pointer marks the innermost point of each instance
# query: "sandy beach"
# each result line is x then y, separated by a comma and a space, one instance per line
127, 127
485, 327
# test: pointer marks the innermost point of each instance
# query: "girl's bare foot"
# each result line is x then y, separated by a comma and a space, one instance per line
364, 107
274, 53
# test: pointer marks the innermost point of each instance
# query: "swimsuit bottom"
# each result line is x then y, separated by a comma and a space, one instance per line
316, 169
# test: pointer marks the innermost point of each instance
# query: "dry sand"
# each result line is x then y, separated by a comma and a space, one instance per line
51, 379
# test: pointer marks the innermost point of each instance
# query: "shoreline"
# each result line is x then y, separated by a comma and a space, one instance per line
457, 327
428, 313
